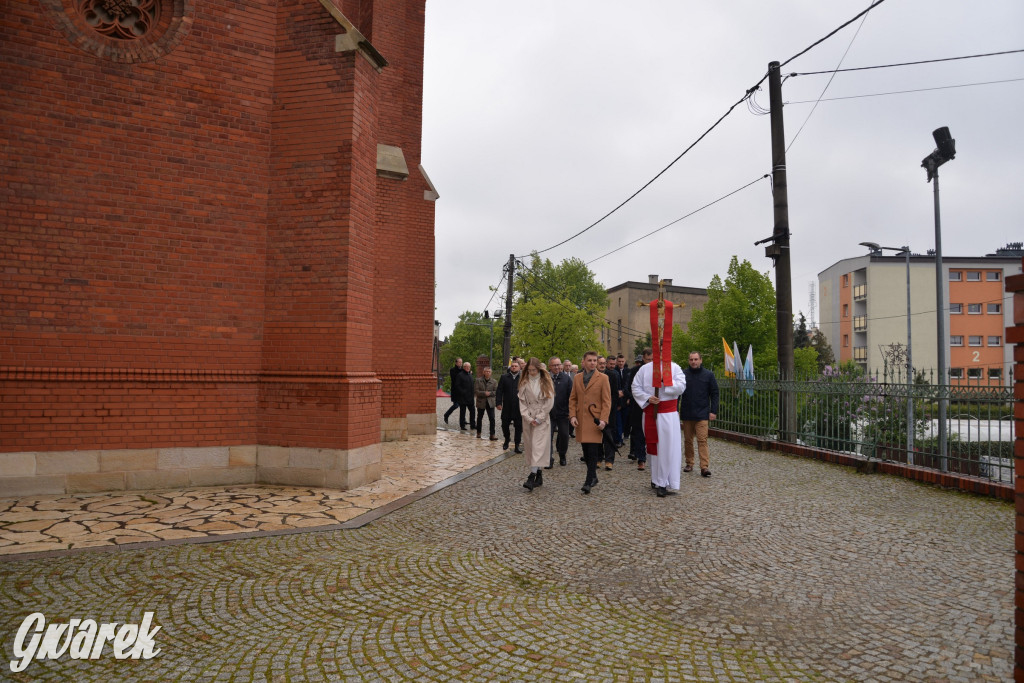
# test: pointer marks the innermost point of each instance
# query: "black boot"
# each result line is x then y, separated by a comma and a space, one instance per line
539, 481
561, 460
531, 481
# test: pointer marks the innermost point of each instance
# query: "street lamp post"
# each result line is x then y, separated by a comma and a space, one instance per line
945, 150
490, 349
875, 248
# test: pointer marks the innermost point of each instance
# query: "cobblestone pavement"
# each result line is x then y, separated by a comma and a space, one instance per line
773, 569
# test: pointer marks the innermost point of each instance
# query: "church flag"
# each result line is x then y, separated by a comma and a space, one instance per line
730, 360
737, 360
748, 368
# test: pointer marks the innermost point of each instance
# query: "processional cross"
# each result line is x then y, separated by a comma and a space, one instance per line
661, 337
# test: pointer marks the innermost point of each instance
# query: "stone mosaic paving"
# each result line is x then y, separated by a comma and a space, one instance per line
774, 569
61, 522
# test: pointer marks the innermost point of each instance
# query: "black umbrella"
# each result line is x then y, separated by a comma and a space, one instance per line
607, 440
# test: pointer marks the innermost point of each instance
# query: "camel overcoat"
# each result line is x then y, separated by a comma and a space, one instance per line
536, 439
598, 394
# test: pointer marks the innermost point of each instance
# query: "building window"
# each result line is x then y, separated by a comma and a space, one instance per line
955, 276
995, 341
974, 308
974, 276
993, 276
956, 309
846, 340
974, 340
995, 373
846, 310
846, 280
956, 373
973, 373
994, 308
956, 340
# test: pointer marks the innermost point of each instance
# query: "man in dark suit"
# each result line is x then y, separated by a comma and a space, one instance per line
559, 410
507, 402
615, 386
453, 373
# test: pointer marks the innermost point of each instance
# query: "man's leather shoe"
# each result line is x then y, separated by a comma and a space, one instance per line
504, 446
640, 466
661, 491
518, 449
561, 460
493, 437
478, 435
688, 468
585, 489
705, 473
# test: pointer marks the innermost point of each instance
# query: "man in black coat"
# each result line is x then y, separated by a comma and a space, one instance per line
560, 410
462, 389
507, 402
637, 442
615, 384
453, 373
697, 406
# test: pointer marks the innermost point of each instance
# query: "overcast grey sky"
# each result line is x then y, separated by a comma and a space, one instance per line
542, 116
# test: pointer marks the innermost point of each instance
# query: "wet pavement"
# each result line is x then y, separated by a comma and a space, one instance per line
773, 569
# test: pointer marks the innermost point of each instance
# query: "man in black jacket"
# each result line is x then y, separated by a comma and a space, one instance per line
615, 384
507, 402
462, 389
453, 373
697, 406
560, 410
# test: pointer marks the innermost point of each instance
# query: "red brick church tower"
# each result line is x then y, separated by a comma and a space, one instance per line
216, 242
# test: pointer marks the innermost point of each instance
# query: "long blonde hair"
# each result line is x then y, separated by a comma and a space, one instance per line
547, 387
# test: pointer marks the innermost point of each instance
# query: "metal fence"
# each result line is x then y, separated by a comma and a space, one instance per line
850, 411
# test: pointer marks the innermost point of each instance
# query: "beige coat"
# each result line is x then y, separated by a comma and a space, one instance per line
598, 394
536, 438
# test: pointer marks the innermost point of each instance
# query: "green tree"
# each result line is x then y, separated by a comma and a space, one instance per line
805, 362
741, 309
557, 310
825, 357
801, 338
470, 339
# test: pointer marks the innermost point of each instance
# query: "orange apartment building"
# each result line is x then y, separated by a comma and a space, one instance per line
864, 309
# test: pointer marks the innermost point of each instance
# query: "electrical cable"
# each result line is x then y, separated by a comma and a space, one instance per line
923, 61
725, 196
831, 78
904, 92
746, 95
495, 289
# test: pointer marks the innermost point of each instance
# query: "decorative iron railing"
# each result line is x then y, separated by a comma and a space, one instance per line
854, 412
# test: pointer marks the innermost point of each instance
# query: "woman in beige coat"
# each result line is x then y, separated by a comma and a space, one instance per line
536, 397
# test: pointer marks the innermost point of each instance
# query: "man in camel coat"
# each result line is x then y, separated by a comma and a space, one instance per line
590, 400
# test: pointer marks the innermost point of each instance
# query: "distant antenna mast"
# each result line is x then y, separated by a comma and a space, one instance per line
814, 306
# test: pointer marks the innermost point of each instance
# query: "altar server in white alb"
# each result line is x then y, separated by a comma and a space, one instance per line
661, 422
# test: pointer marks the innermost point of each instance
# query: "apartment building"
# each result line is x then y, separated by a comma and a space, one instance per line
864, 309
626, 320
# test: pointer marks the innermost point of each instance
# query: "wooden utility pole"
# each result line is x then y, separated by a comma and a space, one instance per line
779, 252
506, 347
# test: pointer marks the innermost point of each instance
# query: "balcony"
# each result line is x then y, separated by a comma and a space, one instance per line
860, 354
860, 323
860, 293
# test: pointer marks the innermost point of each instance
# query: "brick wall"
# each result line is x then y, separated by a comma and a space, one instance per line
196, 247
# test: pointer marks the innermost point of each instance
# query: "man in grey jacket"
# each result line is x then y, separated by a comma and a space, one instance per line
485, 388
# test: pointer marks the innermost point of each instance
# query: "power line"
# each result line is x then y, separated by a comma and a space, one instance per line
494, 290
746, 94
830, 34
831, 78
888, 66
725, 196
904, 92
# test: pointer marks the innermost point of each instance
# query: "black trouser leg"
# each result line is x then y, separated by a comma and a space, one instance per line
506, 419
562, 437
518, 419
451, 410
637, 442
491, 418
591, 452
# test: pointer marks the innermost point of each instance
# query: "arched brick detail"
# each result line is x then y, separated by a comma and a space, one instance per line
174, 22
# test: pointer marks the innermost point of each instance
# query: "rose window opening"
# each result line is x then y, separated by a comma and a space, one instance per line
121, 19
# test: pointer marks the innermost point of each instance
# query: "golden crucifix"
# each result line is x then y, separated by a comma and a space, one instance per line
660, 332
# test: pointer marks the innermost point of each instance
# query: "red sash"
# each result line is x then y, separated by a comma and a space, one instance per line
651, 413
662, 348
